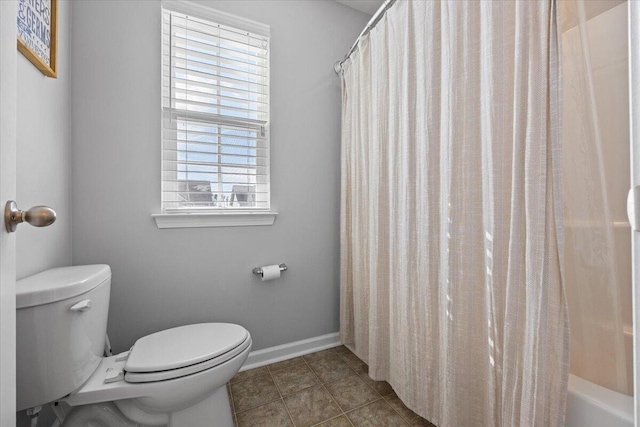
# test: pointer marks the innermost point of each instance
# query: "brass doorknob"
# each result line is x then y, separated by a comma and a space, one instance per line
38, 216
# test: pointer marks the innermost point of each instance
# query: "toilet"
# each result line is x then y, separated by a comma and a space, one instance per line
174, 377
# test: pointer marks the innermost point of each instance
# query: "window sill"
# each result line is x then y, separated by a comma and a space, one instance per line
222, 219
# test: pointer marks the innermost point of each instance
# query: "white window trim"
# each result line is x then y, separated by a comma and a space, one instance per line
224, 18
222, 218
217, 219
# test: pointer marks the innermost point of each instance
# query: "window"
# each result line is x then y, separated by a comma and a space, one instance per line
215, 114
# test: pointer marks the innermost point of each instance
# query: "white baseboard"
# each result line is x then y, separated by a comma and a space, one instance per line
278, 353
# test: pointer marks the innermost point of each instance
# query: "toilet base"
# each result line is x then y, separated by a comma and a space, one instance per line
214, 411
97, 415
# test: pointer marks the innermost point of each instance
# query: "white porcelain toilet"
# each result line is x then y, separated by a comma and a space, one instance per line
172, 378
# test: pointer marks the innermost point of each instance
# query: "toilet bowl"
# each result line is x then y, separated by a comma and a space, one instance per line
98, 415
171, 378
163, 384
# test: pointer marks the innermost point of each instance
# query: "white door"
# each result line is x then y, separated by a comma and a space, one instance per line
7, 192
634, 86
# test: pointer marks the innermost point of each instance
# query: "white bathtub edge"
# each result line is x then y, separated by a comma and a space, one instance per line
592, 405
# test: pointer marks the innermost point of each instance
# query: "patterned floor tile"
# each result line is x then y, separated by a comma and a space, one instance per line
294, 379
272, 414
311, 406
255, 391
412, 418
351, 392
381, 387
286, 364
340, 421
330, 368
342, 350
288, 394
319, 354
355, 363
376, 414
241, 376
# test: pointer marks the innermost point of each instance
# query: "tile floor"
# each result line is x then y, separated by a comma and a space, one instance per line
330, 388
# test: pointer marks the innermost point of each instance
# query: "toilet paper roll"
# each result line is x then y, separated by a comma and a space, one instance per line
270, 272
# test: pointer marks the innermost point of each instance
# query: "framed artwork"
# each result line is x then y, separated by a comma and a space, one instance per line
38, 33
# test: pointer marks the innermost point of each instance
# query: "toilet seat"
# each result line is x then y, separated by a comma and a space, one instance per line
186, 350
97, 390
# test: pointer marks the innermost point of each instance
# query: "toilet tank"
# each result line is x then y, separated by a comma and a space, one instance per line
61, 324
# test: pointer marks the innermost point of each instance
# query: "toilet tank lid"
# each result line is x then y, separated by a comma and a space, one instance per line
59, 284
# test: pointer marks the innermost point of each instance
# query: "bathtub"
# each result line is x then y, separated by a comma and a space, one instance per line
590, 405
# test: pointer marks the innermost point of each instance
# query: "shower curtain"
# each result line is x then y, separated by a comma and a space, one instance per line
451, 278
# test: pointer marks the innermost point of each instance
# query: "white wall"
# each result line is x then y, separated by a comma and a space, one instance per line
171, 277
43, 157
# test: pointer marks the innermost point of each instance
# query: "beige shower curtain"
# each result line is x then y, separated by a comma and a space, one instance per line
451, 285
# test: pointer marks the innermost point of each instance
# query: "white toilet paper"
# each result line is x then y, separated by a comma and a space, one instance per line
270, 272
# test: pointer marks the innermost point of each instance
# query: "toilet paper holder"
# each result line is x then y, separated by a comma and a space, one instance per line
258, 270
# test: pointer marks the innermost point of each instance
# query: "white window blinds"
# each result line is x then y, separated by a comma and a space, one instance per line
215, 116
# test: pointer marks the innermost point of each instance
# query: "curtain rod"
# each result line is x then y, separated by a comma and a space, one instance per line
372, 23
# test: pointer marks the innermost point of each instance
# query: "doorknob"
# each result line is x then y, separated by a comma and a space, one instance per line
38, 216
633, 214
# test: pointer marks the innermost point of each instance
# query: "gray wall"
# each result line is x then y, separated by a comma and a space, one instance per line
166, 278
43, 157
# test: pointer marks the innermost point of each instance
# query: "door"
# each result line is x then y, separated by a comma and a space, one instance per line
634, 214
8, 78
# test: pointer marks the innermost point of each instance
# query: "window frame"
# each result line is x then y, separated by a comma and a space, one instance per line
211, 216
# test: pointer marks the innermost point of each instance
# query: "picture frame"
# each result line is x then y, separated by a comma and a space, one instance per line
38, 34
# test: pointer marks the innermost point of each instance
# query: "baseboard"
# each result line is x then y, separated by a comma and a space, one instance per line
278, 353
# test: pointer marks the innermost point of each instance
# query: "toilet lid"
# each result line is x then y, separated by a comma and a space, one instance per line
146, 377
183, 346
